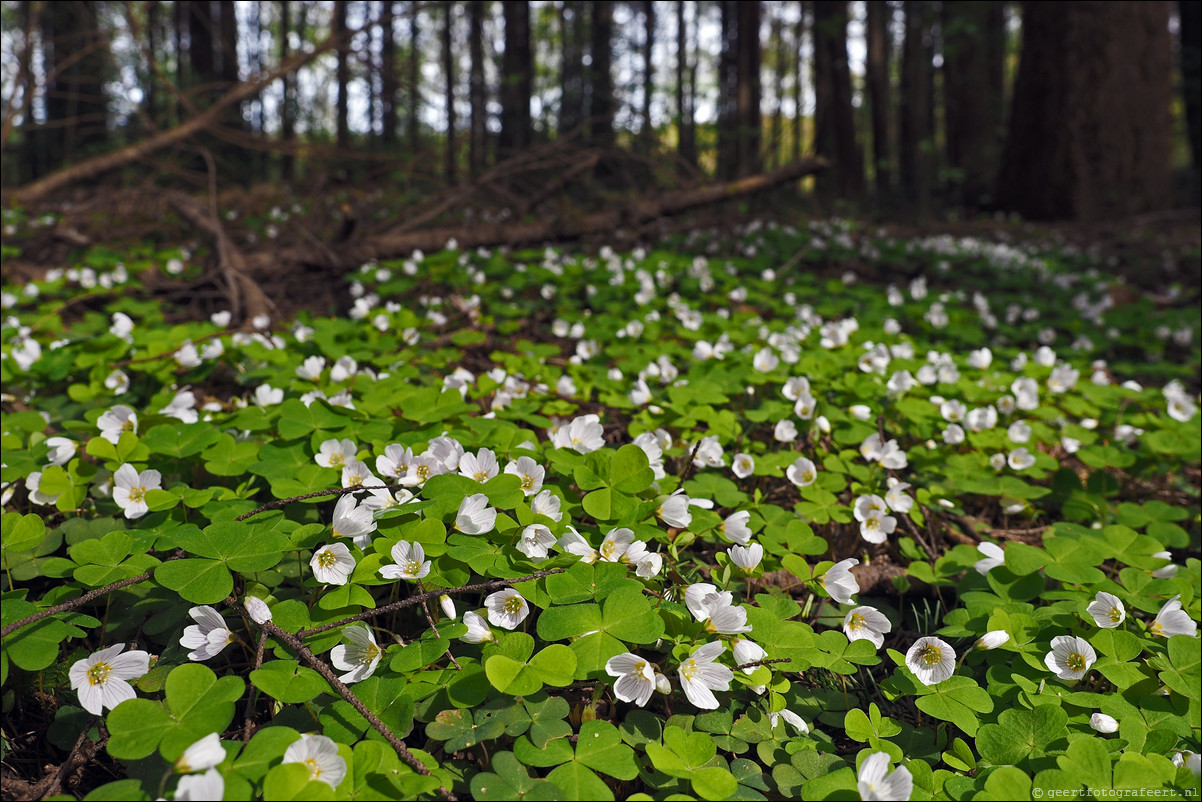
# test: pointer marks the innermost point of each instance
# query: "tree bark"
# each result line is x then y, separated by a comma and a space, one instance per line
778, 90
1190, 33
288, 99
601, 85
1090, 131
572, 84
388, 76
516, 78
974, 47
646, 132
476, 88
686, 140
414, 93
834, 120
448, 67
915, 133
747, 89
879, 94
343, 76
798, 78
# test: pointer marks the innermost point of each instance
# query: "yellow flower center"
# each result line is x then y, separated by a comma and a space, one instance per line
527, 483
314, 769
1075, 662
513, 605
423, 472
326, 558
480, 476
99, 673
337, 459
413, 567
1115, 615
354, 481
932, 655
856, 622
128, 426
137, 493
688, 669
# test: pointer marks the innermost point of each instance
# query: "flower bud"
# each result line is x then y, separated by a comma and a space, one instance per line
448, 606
994, 639
1103, 723
662, 684
258, 610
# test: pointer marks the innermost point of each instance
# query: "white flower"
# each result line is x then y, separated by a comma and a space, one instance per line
1103, 723
992, 639
1107, 610
614, 547
101, 678
743, 465
792, 719
257, 609
735, 527
839, 582
506, 608
1019, 432
794, 387
1167, 571
353, 521
475, 517
876, 527
1191, 760
332, 564
530, 472
536, 541
311, 368
802, 472
785, 431
636, 678
360, 658
721, 615
765, 360
1070, 657
480, 466
953, 435
993, 558
745, 652
648, 564
1172, 620
319, 755
1182, 409
357, 474
572, 542
130, 489
1020, 459
709, 453
344, 368
932, 660
953, 411
200, 787
546, 503
411, 562
1026, 393
860, 411
117, 381
584, 434
336, 453
117, 420
866, 623
207, 637
61, 450
33, 483
876, 782
747, 557
982, 418
266, 395
477, 629
202, 755
897, 498
888, 454
674, 511
700, 676
803, 407
448, 606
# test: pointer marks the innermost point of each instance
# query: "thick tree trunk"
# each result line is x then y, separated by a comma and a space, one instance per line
879, 94
343, 76
476, 89
1190, 32
1090, 131
572, 84
727, 134
448, 68
916, 135
834, 120
516, 78
974, 47
747, 90
601, 82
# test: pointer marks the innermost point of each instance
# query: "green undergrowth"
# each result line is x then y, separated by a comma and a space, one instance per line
722, 519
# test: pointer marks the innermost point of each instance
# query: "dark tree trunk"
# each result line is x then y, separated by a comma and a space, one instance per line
1190, 32
915, 133
879, 93
414, 90
747, 89
516, 78
727, 135
343, 76
1090, 131
686, 141
778, 90
388, 76
448, 67
798, 79
201, 58
572, 33
228, 73
150, 94
476, 88
646, 132
974, 50
288, 103
179, 15
601, 82
834, 120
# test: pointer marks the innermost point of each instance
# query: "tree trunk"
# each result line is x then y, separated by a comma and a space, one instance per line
288, 99
646, 133
834, 120
879, 93
1090, 131
448, 67
727, 134
601, 82
1190, 33
747, 89
202, 65
388, 76
798, 78
476, 88
516, 78
414, 94
572, 85
778, 89
915, 134
974, 47
343, 76
686, 145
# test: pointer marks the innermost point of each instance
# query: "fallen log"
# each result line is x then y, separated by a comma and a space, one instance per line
399, 244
